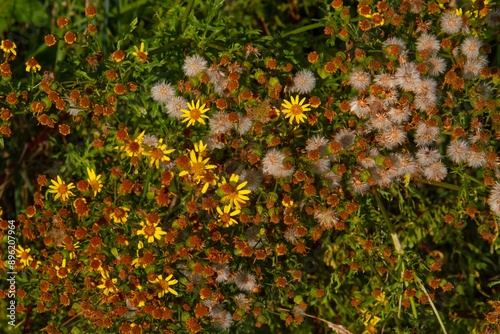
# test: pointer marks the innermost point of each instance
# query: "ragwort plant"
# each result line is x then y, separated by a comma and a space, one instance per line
209, 176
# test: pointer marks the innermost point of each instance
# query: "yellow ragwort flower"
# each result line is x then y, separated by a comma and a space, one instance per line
226, 216
32, 64
61, 189
108, 284
8, 47
234, 194
295, 109
94, 181
195, 113
141, 54
24, 254
159, 154
151, 231
198, 168
164, 285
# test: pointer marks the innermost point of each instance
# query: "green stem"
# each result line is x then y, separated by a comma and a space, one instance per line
474, 179
304, 28
422, 287
440, 184
169, 45
186, 15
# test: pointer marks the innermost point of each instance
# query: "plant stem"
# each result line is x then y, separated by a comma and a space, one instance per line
304, 28
186, 15
169, 45
440, 184
422, 287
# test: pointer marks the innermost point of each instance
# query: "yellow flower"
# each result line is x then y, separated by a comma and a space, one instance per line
8, 47
295, 109
32, 64
141, 54
198, 168
195, 113
234, 192
120, 215
108, 284
62, 271
226, 216
94, 181
151, 231
24, 254
159, 154
61, 189
133, 147
164, 285
135, 262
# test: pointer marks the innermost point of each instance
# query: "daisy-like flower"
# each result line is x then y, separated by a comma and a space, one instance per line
141, 54
198, 166
108, 284
295, 109
159, 154
8, 47
164, 285
151, 231
62, 271
234, 192
226, 216
119, 215
24, 254
61, 189
195, 113
133, 147
32, 64
94, 181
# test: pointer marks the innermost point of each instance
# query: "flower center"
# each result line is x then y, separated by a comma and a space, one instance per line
134, 147
62, 189
233, 194
119, 213
149, 230
225, 218
24, 255
198, 168
157, 154
227, 188
195, 114
163, 284
94, 184
62, 272
296, 109
109, 283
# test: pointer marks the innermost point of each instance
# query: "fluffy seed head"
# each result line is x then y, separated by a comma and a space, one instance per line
435, 172
392, 137
273, 163
219, 123
317, 142
451, 23
476, 159
345, 137
426, 134
407, 77
470, 47
493, 18
326, 217
162, 92
428, 43
304, 82
244, 124
321, 166
494, 199
174, 106
426, 156
194, 65
359, 79
458, 151
436, 65
245, 280
399, 115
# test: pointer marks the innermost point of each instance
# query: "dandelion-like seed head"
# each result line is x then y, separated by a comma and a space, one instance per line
451, 23
162, 92
245, 280
304, 82
194, 65
360, 79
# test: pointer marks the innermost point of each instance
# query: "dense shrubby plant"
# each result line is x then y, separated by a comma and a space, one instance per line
328, 167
